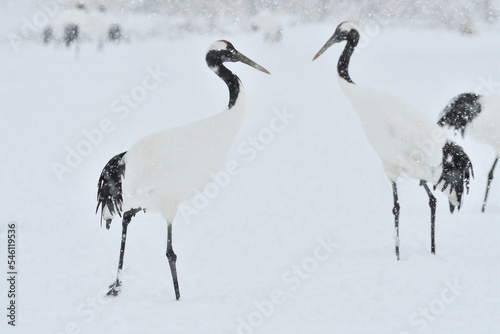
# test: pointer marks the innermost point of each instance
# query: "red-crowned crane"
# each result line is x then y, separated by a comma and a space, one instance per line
478, 117
407, 142
164, 169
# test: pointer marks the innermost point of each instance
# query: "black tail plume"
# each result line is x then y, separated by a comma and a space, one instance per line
457, 169
460, 110
109, 188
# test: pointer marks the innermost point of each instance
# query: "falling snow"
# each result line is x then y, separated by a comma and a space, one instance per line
297, 235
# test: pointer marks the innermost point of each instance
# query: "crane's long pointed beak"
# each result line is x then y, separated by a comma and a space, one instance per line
245, 60
329, 43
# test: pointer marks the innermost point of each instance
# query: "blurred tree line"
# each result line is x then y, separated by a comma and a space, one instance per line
466, 16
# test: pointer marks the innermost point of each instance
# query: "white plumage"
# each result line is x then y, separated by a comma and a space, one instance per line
407, 142
485, 127
164, 169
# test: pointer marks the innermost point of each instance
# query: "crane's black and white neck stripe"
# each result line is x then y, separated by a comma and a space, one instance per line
352, 38
223, 51
215, 59
346, 31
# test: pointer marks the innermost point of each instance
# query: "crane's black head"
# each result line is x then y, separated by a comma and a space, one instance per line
223, 51
346, 31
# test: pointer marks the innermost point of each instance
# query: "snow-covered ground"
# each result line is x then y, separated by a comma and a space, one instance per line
299, 239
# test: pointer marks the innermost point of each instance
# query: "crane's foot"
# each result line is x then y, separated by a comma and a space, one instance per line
114, 289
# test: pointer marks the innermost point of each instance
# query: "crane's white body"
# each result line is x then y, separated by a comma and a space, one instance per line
485, 127
407, 142
168, 167
164, 169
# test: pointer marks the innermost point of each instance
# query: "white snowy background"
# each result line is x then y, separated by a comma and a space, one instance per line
300, 240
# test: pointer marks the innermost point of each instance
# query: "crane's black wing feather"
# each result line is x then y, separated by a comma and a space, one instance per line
460, 110
109, 188
457, 170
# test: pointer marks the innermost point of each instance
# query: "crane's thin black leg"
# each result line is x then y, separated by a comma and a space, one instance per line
115, 288
432, 204
172, 258
490, 177
395, 211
